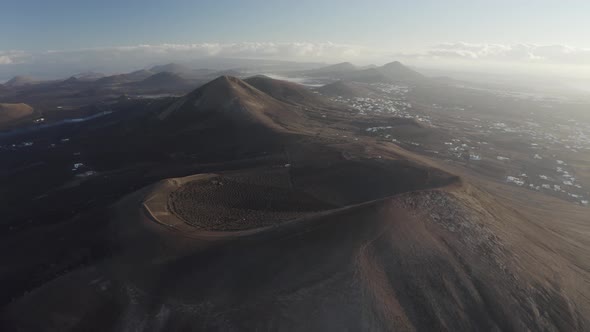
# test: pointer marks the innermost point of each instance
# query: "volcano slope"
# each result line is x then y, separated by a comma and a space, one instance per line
344, 88
11, 113
287, 92
318, 234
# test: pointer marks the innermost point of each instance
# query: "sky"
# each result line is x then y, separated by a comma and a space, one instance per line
538, 35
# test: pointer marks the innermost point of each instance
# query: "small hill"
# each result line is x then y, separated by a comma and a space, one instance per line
171, 68
368, 66
163, 80
344, 89
332, 70
125, 78
287, 92
237, 102
113, 79
89, 76
70, 81
396, 71
10, 113
139, 75
18, 81
388, 73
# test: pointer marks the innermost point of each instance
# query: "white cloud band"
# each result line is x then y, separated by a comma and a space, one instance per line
293, 50
13, 57
306, 51
518, 53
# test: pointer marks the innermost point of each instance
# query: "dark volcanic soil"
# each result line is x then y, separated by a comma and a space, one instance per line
225, 203
263, 197
379, 238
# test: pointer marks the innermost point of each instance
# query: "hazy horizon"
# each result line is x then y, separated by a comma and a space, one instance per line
378, 165
541, 38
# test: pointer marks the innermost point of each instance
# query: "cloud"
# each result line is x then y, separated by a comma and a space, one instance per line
518, 53
292, 51
13, 57
301, 51
54, 63
57, 63
5, 60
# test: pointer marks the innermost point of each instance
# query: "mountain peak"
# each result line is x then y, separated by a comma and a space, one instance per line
170, 67
221, 93
234, 100
396, 71
394, 64
225, 84
71, 79
89, 76
20, 81
168, 79
343, 66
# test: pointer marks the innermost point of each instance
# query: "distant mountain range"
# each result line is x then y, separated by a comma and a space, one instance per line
173, 78
183, 71
390, 72
18, 81
344, 89
168, 78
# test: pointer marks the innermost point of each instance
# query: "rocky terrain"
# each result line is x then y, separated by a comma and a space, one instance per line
260, 204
